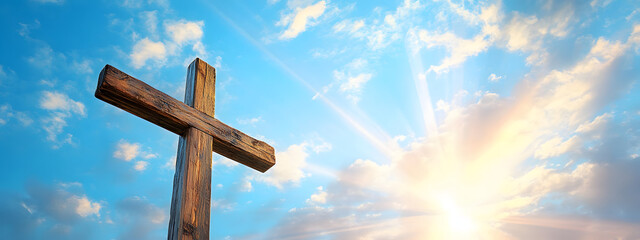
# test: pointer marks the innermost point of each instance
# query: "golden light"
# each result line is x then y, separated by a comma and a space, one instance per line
460, 220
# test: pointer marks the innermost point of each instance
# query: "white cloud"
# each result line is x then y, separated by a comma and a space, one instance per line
349, 26
7, 113
289, 169
319, 53
60, 107
218, 63
150, 19
246, 186
442, 106
351, 79
48, 83
54, 125
140, 166
25, 29
528, 33
555, 147
514, 31
46, 59
184, 31
222, 204
494, 78
390, 20
56, 101
126, 151
379, 33
250, 121
631, 15
298, 20
600, 3
355, 83
146, 49
318, 198
62, 204
64, 208
634, 38
459, 49
84, 207
199, 49
323, 147
171, 163
179, 34
594, 125
82, 67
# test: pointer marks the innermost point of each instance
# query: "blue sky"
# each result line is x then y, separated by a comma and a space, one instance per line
390, 119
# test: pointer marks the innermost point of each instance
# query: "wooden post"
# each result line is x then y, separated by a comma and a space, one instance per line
190, 203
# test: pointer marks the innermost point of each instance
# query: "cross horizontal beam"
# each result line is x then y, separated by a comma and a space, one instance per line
134, 96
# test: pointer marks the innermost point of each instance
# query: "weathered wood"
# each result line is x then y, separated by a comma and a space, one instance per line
200, 134
190, 203
134, 96
191, 198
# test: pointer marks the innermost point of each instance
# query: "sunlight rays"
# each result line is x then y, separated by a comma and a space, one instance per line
468, 177
371, 131
422, 87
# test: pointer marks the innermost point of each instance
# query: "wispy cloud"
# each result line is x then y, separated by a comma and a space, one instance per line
513, 31
7, 113
183, 31
379, 32
290, 169
460, 49
319, 197
46, 59
351, 79
146, 49
56, 101
60, 108
179, 34
494, 78
62, 210
299, 19
139, 218
127, 151
250, 121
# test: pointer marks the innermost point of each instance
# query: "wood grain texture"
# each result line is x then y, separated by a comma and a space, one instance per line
190, 203
134, 96
191, 200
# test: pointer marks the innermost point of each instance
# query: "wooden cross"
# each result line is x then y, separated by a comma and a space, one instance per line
200, 133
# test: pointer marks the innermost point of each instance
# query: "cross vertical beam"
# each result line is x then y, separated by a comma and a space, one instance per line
191, 199
199, 131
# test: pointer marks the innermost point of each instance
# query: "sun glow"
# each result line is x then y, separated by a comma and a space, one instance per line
459, 219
